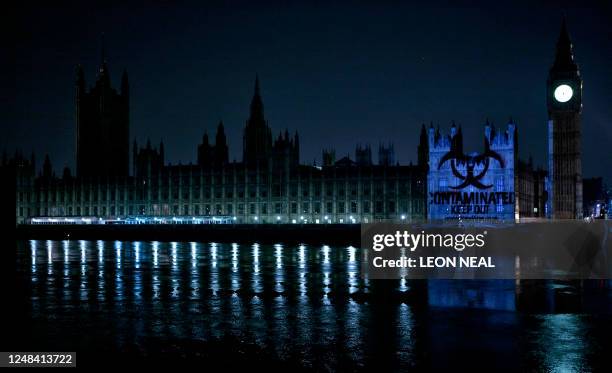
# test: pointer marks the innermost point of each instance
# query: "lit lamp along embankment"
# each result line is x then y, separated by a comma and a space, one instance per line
188, 229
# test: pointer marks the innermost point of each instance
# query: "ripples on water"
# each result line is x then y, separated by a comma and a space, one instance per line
305, 303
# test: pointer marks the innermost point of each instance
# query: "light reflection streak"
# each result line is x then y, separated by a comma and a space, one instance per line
66, 276
137, 287
49, 254
194, 255
326, 270
174, 275
118, 274
403, 273
303, 282
137, 254
195, 278
214, 272
83, 283
101, 281
279, 275
235, 273
405, 332
213, 253
562, 344
155, 271
33, 245
256, 278
173, 255
118, 254
155, 254
351, 270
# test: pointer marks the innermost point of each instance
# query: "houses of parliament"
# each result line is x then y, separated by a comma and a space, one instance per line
270, 184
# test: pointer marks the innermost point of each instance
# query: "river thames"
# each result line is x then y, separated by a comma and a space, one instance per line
300, 306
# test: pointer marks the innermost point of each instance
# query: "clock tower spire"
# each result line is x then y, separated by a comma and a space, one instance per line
564, 102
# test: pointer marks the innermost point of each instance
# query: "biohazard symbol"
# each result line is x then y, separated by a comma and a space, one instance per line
457, 158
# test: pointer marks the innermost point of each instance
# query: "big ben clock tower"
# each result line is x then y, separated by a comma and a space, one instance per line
564, 101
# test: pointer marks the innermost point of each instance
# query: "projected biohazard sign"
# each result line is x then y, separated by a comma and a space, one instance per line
458, 159
475, 185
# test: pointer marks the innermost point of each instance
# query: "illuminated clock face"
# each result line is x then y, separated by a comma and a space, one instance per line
563, 93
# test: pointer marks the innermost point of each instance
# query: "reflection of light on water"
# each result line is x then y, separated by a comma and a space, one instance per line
118, 272
256, 280
195, 287
279, 275
238, 324
100, 245
305, 320
173, 255
174, 276
137, 286
213, 253
326, 250
326, 280
66, 292
259, 321
49, 253
155, 253
353, 330
403, 272
303, 282
83, 284
235, 273
33, 245
137, 254
101, 282
280, 329
351, 269
403, 287
65, 244
234, 257
118, 253
562, 343
256, 257
405, 322
214, 273
279, 255
35, 299
302, 256
326, 270
82, 245
155, 271
352, 257
194, 255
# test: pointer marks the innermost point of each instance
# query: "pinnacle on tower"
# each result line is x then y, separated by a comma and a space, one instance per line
564, 57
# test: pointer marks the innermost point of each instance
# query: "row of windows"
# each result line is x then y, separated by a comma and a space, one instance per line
141, 195
378, 207
402, 187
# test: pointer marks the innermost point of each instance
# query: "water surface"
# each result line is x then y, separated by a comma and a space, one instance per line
304, 304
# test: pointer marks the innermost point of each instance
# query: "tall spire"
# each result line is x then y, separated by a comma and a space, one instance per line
564, 57
220, 137
257, 110
103, 71
221, 155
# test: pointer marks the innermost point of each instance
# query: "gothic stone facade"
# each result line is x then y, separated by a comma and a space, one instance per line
268, 186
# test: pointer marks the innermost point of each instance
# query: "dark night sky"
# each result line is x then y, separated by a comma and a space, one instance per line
340, 74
